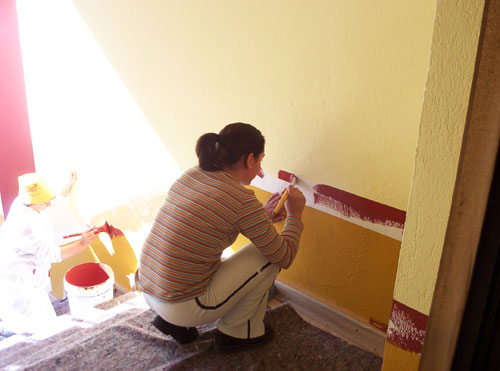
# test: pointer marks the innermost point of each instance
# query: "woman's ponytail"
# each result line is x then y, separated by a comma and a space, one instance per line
207, 150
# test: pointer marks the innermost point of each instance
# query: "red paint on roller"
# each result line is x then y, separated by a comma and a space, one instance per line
286, 176
350, 205
87, 275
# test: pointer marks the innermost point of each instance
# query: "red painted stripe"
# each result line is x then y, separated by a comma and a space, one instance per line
16, 152
350, 205
407, 327
114, 232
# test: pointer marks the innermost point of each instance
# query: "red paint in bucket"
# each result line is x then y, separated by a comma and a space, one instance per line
87, 275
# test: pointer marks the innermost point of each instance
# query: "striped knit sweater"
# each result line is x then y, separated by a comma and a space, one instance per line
202, 215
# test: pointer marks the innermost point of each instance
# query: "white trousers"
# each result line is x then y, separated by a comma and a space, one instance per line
25, 304
236, 296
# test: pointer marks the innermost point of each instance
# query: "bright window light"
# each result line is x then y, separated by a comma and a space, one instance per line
82, 116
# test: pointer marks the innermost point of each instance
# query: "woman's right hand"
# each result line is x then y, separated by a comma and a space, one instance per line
77, 247
88, 237
295, 203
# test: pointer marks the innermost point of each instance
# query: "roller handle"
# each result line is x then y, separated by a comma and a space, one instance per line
283, 199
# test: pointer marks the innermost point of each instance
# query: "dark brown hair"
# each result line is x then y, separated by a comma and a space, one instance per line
217, 151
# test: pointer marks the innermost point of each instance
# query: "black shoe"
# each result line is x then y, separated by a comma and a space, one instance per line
183, 335
224, 343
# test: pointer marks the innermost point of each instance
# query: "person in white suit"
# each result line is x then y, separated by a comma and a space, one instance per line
27, 250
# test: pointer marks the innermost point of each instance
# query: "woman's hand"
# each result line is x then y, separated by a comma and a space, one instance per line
88, 237
295, 203
271, 204
77, 247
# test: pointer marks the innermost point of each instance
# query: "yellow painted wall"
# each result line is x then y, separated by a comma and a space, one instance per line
444, 114
442, 126
343, 265
335, 86
397, 359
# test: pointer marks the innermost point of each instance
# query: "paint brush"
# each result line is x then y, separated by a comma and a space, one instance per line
105, 228
73, 235
284, 197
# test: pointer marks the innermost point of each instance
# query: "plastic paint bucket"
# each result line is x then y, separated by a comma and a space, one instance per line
87, 285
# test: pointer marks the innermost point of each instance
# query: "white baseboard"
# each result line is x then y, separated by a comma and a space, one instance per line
344, 326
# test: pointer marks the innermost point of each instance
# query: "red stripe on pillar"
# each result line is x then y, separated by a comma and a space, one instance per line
406, 327
16, 150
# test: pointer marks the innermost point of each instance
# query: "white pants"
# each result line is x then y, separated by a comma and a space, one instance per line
237, 296
25, 305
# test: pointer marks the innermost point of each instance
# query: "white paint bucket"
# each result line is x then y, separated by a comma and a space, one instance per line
87, 285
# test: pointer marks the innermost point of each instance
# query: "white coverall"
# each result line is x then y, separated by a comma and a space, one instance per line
27, 250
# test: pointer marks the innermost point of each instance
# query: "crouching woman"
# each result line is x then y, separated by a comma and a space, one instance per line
181, 272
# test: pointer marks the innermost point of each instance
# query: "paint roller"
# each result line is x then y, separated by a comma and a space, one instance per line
284, 197
102, 229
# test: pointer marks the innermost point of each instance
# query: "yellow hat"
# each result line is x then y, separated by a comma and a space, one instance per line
33, 190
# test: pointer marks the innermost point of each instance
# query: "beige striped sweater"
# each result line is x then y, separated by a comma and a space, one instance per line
202, 215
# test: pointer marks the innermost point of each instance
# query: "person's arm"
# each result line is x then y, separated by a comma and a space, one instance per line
270, 205
72, 179
253, 223
294, 207
73, 249
295, 203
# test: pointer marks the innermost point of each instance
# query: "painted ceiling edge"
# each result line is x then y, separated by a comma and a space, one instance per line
16, 149
369, 214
